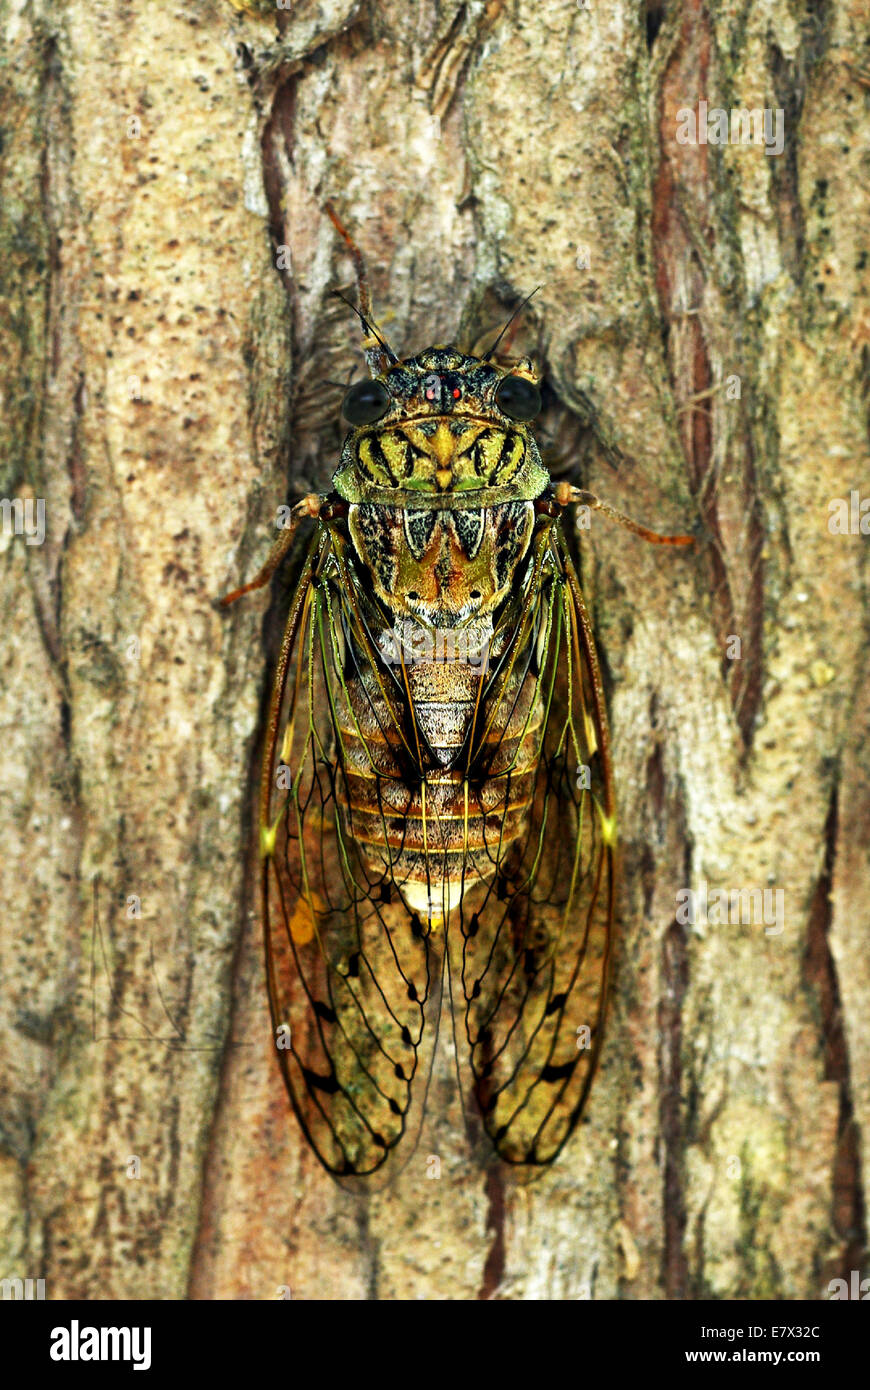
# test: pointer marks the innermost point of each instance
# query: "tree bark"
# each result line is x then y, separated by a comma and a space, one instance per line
169, 356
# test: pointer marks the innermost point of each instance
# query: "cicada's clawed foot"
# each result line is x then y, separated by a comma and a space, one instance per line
566, 496
309, 506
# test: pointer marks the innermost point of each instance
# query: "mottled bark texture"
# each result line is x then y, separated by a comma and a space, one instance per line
169, 353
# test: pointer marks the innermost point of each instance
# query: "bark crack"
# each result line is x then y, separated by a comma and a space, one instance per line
848, 1216
675, 975
689, 220
493, 1270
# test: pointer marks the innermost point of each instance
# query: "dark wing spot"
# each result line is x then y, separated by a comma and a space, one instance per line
316, 1082
558, 1073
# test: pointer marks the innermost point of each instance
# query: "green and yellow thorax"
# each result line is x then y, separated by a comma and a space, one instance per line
443, 436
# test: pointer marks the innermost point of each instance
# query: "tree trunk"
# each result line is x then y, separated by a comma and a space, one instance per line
169, 357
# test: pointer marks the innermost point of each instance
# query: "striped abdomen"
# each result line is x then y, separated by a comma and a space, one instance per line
437, 834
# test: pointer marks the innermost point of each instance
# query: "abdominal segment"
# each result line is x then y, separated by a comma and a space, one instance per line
440, 755
436, 831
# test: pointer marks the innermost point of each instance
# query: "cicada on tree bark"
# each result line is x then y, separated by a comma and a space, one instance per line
437, 793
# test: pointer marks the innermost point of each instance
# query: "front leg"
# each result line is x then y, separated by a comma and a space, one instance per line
310, 505
565, 495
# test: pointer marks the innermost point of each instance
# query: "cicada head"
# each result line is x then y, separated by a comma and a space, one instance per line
442, 423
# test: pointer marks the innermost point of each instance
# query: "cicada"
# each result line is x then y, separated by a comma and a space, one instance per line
437, 793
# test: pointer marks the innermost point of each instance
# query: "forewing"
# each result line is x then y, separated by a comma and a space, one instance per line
352, 977
529, 950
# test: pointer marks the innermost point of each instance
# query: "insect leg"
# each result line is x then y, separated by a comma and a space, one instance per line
566, 494
309, 506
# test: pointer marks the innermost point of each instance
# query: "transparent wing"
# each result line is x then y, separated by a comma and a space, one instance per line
529, 948
353, 975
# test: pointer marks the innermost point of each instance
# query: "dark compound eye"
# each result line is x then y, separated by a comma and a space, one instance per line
518, 398
366, 402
